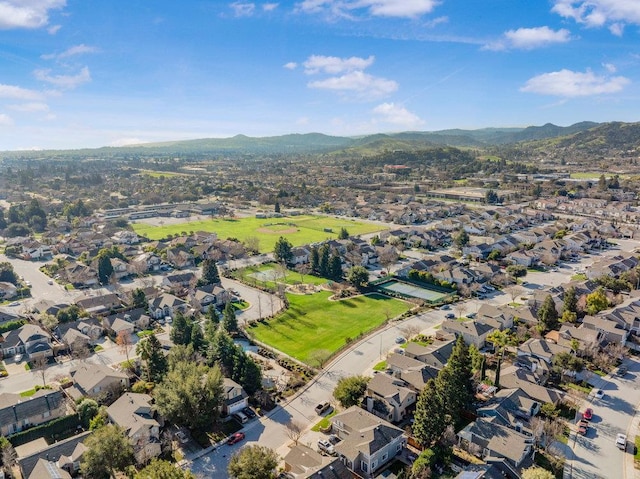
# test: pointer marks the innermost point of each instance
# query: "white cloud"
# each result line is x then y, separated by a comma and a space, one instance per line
598, 13
302, 121
379, 8
270, 7
53, 29
27, 13
19, 93
291, 65
242, 9
397, 115
365, 86
334, 65
66, 82
69, 52
569, 84
610, 67
30, 107
126, 142
5, 120
529, 38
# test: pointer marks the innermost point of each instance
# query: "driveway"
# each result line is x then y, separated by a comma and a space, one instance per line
595, 456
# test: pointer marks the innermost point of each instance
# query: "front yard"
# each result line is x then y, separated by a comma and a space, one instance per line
312, 322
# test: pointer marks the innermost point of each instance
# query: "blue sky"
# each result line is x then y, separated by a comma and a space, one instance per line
90, 73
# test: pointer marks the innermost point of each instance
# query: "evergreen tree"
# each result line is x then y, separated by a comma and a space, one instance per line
229, 320
454, 382
276, 207
314, 260
570, 300
210, 274
150, 351
323, 263
335, 268
212, 320
430, 421
105, 269
197, 338
108, 451
547, 314
181, 329
282, 250
344, 234
139, 298
461, 238
253, 462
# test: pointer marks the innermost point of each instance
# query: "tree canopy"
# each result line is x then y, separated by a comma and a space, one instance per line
159, 469
430, 421
253, 462
350, 390
358, 276
108, 451
282, 250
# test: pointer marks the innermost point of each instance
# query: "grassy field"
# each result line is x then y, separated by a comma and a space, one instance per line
312, 322
299, 230
160, 174
248, 275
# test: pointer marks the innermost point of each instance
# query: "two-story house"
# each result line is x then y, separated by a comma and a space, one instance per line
235, 397
30, 340
389, 397
18, 413
94, 380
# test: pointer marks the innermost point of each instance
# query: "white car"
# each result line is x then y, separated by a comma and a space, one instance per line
18, 358
621, 441
599, 394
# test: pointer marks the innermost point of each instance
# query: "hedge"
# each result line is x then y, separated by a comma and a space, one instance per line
11, 325
49, 430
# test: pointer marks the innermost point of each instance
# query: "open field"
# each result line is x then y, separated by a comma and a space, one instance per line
267, 274
299, 230
312, 322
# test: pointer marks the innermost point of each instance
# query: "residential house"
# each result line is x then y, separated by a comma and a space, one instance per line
435, 355
53, 461
541, 349
146, 263
136, 317
94, 380
473, 332
503, 316
120, 268
516, 377
7, 290
609, 331
180, 258
116, 325
18, 413
494, 440
178, 281
100, 304
368, 442
300, 255
512, 408
235, 397
389, 397
30, 340
211, 294
80, 275
90, 328
34, 250
125, 237
166, 305
302, 462
135, 414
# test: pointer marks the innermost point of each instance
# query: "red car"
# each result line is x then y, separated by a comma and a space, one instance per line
237, 437
587, 414
583, 426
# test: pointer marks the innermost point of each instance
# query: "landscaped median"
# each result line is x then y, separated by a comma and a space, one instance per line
315, 323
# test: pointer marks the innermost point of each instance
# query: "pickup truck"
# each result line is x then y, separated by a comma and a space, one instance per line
322, 407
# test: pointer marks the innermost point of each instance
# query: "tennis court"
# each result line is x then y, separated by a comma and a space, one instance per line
412, 291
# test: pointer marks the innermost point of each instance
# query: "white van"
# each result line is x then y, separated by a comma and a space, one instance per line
241, 417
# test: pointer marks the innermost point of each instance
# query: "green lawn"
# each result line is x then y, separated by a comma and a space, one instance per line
313, 322
324, 422
299, 230
291, 277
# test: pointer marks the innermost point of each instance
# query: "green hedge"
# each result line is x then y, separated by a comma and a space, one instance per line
11, 325
49, 431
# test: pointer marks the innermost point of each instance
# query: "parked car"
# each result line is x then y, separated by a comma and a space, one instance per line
621, 441
237, 437
400, 340
622, 370
18, 358
583, 427
599, 394
333, 439
326, 446
588, 414
445, 307
450, 316
322, 407
182, 437
249, 412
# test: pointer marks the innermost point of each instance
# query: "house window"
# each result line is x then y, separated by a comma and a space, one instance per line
384, 457
399, 447
363, 466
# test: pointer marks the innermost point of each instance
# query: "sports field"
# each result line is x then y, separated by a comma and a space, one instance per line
312, 322
299, 230
269, 274
407, 289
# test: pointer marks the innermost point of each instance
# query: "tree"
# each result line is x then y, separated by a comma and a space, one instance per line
294, 430
252, 244
516, 270
358, 276
276, 207
150, 351
139, 298
499, 339
547, 314
87, 410
454, 382
40, 365
181, 329
535, 472
159, 469
190, 394
253, 462
229, 320
323, 262
105, 268
210, 274
461, 238
319, 357
430, 420
597, 301
570, 300
123, 340
335, 268
421, 467
350, 390
344, 234
108, 451
7, 274
314, 260
491, 197
388, 257
564, 362
282, 251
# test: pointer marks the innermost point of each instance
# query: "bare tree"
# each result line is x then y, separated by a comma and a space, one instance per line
410, 331
514, 292
80, 349
40, 365
252, 244
460, 308
553, 429
319, 357
387, 258
123, 340
294, 430
616, 350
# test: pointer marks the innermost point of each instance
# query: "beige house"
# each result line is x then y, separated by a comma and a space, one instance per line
18, 413
93, 380
388, 397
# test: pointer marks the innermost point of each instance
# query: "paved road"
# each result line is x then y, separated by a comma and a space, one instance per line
596, 455
271, 431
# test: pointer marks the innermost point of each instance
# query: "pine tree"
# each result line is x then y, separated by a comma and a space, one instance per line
314, 260
150, 352
181, 330
229, 320
430, 421
323, 265
335, 268
454, 382
570, 300
547, 314
210, 274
